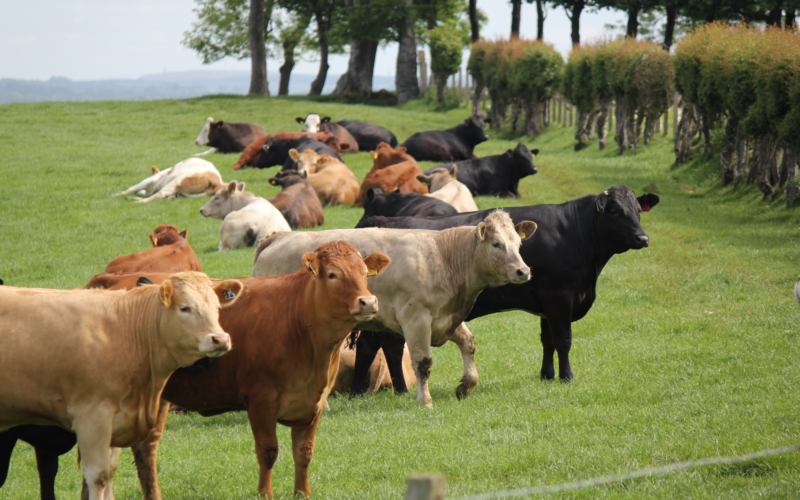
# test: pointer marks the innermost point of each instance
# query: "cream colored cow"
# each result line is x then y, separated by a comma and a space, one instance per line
334, 183
190, 178
443, 186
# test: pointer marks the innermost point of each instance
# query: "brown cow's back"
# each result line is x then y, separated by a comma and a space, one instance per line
342, 134
252, 153
402, 176
382, 157
300, 205
172, 258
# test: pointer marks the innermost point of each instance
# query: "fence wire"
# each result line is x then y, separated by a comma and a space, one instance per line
650, 471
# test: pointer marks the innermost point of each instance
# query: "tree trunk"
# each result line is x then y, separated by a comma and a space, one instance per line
792, 190
727, 150
441, 85
516, 8
742, 149
669, 26
405, 79
540, 19
764, 170
600, 123
789, 22
574, 15
633, 21
289, 45
473, 20
360, 68
322, 32
775, 15
622, 118
258, 49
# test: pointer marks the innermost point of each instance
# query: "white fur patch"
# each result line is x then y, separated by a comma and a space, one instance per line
202, 139
313, 121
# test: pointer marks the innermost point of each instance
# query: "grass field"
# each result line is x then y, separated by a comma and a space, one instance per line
691, 349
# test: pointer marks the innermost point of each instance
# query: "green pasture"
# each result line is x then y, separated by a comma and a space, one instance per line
690, 351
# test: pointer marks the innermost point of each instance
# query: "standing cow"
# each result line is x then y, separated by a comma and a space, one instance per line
453, 144
226, 137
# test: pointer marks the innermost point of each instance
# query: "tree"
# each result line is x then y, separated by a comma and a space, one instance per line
226, 28
633, 8
446, 43
516, 14
540, 15
405, 79
473, 20
573, 8
291, 35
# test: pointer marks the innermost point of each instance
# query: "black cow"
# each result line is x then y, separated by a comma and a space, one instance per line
574, 242
277, 152
453, 144
225, 137
497, 175
368, 136
49, 442
398, 204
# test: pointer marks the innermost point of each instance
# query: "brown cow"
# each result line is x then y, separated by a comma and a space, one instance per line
333, 182
315, 123
171, 254
384, 156
287, 331
402, 176
252, 153
297, 201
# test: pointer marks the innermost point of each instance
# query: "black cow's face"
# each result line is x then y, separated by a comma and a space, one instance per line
476, 129
523, 160
268, 156
618, 218
375, 201
286, 178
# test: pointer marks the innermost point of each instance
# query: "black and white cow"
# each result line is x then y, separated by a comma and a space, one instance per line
368, 135
397, 204
225, 137
277, 152
453, 144
314, 123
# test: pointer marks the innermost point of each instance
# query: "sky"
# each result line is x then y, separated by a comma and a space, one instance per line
102, 39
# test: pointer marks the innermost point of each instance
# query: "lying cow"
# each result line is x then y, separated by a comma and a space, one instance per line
297, 201
453, 144
367, 135
334, 183
497, 175
189, 178
431, 286
574, 242
397, 204
95, 361
246, 218
443, 186
226, 137
277, 152
252, 153
400, 177
288, 331
314, 123
171, 253
384, 156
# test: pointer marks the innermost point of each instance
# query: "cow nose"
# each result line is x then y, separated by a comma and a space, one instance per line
643, 240
524, 274
221, 342
367, 304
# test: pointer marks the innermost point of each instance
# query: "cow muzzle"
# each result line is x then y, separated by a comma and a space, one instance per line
641, 241
215, 344
520, 275
365, 307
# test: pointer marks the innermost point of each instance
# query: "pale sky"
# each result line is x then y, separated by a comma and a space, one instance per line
102, 39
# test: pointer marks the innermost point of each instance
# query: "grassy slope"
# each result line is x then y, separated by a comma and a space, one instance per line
690, 351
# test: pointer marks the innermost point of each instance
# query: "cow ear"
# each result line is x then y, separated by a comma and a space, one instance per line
454, 171
184, 233
311, 262
300, 120
240, 186
601, 201
375, 155
267, 144
370, 194
153, 239
231, 187
219, 124
525, 229
154, 170
376, 263
166, 293
534, 152
327, 119
294, 154
648, 201
273, 181
424, 178
481, 230
228, 291
344, 146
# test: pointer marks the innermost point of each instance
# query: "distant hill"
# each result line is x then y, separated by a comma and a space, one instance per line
178, 85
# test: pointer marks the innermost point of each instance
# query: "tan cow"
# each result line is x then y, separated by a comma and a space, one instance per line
333, 182
96, 361
444, 186
192, 177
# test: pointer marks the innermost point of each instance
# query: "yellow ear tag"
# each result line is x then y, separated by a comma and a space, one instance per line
522, 235
454, 177
372, 272
374, 156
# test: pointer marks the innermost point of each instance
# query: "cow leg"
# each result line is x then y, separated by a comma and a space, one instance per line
548, 348
418, 336
562, 339
47, 463
97, 457
7, 442
114, 462
165, 192
263, 422
367, 347
465, 341
145, 456
145, 184
303, 449
208, 152
393, 347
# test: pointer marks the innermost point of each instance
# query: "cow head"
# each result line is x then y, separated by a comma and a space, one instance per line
288, 178
202, 139
166, 234
312, 121
522, 160
475, 130
340, 280
439, 177
376, 202
497, 255
384, 156
306, 161
618, 223
269, 156
189, 321
223, 201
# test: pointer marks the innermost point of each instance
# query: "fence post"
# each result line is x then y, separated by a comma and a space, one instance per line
425, 487
423, 72
571, 113
666, 122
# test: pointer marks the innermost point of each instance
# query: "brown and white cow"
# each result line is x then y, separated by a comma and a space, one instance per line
226, 137
334, 183
190, 178
444, 186
314, 123
429, 290
171, 253
96, 361
252, 153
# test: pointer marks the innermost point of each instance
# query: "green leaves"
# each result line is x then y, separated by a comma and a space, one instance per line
446, 43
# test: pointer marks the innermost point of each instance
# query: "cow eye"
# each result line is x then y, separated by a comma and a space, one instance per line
496, 244
186, 309
331, 276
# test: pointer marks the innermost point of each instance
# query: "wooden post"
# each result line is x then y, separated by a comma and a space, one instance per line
425, 487
610, 119
423, 72
460, 87
666, 122
675, 114
571, 114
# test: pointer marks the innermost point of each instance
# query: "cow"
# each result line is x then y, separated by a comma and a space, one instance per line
497, 175
288, 331
377, 374
384, 156
431, 286
574, 242
124, 281
246, 218
171, 253
397, 204
334, 183
444, 186
252, 153
277, 152
96, 361
226, 137
49, 443
314, 123
367, 135
189, 178
453, 144
297, 201
399, 177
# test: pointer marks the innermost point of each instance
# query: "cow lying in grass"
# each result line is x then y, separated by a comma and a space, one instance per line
190, 178
443, 186
171, 253
453, 144
297, 201
252, 153
334, 183
397, 204
226, 137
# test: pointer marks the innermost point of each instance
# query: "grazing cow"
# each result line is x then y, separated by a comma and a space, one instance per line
251, 155
377, 374
277, 152
443, 186
431, 286
226, 137
246, 218
453, 144
314, 123
401, 176
288, 331
95, 361
297, 201
397, 204
171, 253
367, 135
497, 175
333, 182
574, 242
190, 178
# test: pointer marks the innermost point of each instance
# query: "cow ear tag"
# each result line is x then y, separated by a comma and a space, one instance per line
645, 208
372, 272
374, 156
522, 235
229, 295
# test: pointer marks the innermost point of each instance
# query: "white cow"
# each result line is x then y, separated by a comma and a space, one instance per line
431, 286
246, 218
443, 186
192, 177
312, 121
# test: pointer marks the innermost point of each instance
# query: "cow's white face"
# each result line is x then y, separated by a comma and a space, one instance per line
202, 139
497, 258
313, 121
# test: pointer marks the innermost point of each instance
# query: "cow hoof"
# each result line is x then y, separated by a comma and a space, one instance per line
461, 392
546, 377
566, 380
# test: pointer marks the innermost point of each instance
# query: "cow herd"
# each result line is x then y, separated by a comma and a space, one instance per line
150, 331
